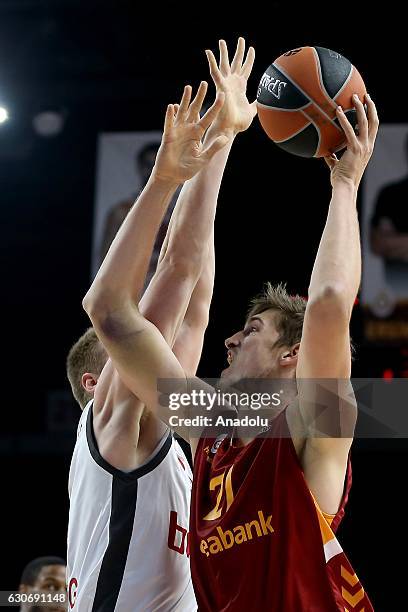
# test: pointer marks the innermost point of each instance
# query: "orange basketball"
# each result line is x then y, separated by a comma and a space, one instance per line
297, 99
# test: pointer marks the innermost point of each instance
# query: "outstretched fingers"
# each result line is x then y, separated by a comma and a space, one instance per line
249, 63
169, 118
193, 114
212, 112
214, 70
224, 60
184, 104
236, 63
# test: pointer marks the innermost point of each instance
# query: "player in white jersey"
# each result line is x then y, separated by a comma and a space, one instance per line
127, 530
129, 481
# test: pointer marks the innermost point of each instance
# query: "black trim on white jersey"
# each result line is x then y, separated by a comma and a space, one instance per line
123, 509
134, 474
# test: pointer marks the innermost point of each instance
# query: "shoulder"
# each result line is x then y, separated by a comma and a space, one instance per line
117, 413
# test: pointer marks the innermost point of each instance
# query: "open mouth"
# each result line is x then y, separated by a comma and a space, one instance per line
230, 357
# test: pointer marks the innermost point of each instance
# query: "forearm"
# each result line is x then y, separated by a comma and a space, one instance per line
337, 268
123, 271
188, 342
184, 277
193, 217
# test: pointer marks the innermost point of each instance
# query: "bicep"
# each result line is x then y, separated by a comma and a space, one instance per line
326, 400
139, 353
325, 350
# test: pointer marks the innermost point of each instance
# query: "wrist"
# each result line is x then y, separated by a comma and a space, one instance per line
345, 184
165, 182
214, 132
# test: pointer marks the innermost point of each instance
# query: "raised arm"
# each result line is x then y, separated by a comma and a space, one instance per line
178, 299
324, 351
137, 349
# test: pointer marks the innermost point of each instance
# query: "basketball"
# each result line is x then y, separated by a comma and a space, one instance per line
297, 99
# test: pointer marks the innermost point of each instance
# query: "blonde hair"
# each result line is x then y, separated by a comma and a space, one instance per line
86, 355
290, 311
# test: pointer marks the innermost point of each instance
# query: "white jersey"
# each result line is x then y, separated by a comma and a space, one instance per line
128, 532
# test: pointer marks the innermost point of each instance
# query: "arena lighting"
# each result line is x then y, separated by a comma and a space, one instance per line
3, 114
49, 123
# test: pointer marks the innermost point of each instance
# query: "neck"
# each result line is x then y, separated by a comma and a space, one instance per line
288, 387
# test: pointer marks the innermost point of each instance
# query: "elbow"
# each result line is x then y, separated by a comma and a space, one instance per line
101, 304
95, 308
94, 302
332, 300
110, 318
88, 303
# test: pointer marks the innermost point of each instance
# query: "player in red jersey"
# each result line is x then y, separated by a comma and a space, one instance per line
265, 509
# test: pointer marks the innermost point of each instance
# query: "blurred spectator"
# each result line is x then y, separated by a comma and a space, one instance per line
145, 159
389, 232
47, 574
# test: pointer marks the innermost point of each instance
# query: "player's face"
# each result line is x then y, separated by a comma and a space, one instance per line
250, 351
51, 579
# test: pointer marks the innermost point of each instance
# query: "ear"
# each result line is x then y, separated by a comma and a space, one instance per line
88, 382
290, 357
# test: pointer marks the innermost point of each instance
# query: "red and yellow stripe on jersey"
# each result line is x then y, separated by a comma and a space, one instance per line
349, 591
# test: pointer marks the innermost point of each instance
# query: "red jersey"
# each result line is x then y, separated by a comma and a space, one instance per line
258, 540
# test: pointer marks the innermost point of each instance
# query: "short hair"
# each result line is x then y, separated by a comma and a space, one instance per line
86, 355
290, 308
33, 568
291, 314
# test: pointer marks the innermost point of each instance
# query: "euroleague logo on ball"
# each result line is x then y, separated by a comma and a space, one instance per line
274, 86
293, 52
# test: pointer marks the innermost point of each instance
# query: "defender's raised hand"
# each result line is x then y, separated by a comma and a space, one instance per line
231, 79
351, 166
181, 154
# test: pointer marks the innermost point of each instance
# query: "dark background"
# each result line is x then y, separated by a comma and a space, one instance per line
114, 66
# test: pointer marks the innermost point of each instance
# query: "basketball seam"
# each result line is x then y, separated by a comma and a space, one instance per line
318, 131
295, 133
346, 82
308, 97
322, 85
285, 110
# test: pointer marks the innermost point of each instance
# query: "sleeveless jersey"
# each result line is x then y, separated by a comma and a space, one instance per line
258, 540
127, 533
